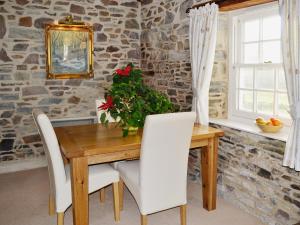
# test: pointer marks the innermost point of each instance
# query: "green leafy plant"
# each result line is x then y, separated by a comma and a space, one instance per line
129, 100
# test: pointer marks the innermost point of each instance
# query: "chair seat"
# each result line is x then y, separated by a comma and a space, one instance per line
100, 176
129, 172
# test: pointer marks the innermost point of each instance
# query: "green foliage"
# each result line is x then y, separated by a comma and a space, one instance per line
133, 101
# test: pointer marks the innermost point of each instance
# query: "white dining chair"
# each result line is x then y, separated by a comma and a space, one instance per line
158, 180
60, 197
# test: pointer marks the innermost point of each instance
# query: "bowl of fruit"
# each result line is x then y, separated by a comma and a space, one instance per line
272, 125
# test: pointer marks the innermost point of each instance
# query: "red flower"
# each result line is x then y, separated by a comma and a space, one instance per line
108, 104
124, 72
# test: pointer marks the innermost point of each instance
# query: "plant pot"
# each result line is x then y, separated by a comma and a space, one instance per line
130, 130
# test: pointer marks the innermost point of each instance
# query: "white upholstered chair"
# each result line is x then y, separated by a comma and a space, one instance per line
59, 174
158, 180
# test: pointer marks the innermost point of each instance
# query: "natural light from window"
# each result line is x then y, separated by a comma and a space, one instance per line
258, 87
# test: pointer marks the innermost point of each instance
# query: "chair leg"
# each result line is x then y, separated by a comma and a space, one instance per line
102, 195
144, 219
121, 192
60, 218
183, 214
51, 205
116, 201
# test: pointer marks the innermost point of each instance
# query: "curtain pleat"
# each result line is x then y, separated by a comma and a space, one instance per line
202, 36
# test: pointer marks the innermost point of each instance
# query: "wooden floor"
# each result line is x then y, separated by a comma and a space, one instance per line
24, 201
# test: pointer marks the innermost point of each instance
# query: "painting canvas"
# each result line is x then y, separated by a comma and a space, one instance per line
69, 52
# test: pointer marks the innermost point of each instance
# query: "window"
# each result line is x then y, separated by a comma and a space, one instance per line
257, 82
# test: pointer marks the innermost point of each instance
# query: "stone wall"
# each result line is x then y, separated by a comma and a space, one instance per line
23, 84
251, 176
166, 55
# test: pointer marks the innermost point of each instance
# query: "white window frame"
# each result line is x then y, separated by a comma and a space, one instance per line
233, 113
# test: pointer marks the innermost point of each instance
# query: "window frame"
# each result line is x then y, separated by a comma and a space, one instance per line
235, 59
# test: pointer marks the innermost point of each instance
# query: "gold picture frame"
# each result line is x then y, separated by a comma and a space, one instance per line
69, 51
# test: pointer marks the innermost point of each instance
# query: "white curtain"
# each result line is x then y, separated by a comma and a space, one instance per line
203, 36
290, 16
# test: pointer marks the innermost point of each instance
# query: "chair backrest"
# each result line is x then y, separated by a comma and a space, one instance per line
164, 160
99, 111
56, 167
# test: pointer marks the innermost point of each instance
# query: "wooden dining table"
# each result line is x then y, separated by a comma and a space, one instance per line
86, 145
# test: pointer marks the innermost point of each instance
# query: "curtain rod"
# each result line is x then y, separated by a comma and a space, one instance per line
227, 5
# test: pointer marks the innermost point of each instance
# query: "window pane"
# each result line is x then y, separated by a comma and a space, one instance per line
251, 53
246, 100
283, 105
265, 78
271, 51
265, 101
246, 78
281, 80
271, 27
251, 30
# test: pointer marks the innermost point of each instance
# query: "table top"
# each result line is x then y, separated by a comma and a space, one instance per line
95, 139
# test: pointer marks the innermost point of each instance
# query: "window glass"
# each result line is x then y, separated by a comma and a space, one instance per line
283, 105
271, 27
246, 100
251, 30
265, 101
265, 78
246, 78
260, 87
271, 51
251, 53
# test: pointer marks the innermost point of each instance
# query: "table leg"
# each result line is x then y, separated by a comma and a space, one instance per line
209, 158
79, 182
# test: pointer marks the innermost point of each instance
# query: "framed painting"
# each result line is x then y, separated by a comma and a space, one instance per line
69, 51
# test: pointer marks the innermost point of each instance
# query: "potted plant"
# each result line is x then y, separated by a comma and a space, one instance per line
129, 100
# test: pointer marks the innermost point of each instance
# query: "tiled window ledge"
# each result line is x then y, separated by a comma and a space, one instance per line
282, 135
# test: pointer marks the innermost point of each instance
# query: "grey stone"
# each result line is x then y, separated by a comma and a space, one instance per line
2, 27
3, 56
21, 76
9, 97
25, 21
31, 138
112, 49
183, 30
33, 90
132, 24
74, 100
73, 82
6, 145
32, 59
101, 37
23, 33
134, 54
169, 18
184, 6
97, 27
40, 23
282, 215
20, 47
7, 114
22, 2
50, 101
77, 9
132, 4
7, 106
109, 2
147, 2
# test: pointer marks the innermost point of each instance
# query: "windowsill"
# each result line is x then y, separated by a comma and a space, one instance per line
282, 135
